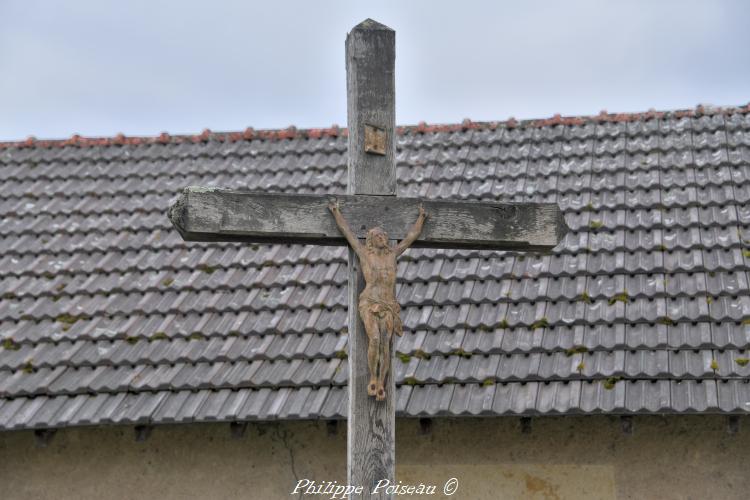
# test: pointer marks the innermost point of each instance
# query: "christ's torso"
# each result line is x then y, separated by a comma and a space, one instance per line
379, 270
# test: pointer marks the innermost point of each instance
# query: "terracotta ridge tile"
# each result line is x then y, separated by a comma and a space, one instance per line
334, 131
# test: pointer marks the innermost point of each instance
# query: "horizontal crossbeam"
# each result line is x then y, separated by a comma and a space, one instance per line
211, 214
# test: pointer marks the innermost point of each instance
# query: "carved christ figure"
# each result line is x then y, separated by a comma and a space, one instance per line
378, 308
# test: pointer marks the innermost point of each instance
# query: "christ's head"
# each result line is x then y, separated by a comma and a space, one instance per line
376, 239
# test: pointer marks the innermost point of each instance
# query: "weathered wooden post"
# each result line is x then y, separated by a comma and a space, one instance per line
370, 83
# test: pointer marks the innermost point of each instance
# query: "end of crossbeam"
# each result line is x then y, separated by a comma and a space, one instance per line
548, 223
371, 25
177, 212
562, 227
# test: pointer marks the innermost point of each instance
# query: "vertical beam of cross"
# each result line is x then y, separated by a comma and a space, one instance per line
370, 65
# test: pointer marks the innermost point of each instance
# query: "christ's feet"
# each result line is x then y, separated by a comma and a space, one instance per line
380, 396
372, 388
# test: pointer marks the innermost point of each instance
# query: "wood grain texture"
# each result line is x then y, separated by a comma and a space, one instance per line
370, 87
371, 424
221, 215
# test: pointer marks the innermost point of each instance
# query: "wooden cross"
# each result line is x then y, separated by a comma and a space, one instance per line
209, 214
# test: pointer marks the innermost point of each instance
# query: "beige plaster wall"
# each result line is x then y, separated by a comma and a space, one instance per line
562, 457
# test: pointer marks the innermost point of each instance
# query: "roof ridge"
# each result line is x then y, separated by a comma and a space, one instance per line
292, 132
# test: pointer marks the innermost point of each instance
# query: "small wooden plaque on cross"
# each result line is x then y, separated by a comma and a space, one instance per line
209, 214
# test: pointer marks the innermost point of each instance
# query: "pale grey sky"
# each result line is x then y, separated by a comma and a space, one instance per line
98, 67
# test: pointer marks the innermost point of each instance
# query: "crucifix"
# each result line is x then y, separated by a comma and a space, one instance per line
389, 224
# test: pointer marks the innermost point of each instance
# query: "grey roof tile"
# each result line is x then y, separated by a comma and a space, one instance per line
522, 339
603, 336
605, 364
687, 335
515, 398
649, 335
647, 363
430, 400
69, 410
275, 402
8, 409
559, 365
559, 397
336, 403
138, 408
25, 412
648, 396
294, 404
519, 367
695, 396
471, 400
599, 397
734, 396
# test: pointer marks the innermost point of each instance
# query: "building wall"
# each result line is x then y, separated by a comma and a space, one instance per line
561, 458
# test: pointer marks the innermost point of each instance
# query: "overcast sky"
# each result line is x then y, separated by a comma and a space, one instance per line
100, 67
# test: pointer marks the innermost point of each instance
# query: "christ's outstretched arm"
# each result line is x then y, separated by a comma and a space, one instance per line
413, 233
345, 229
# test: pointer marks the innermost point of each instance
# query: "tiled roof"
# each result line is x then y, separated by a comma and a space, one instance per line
107, 316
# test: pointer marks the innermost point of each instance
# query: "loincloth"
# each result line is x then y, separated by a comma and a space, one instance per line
389, 311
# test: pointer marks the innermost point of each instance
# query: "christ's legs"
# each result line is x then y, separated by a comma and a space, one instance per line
385, 356
373, 334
